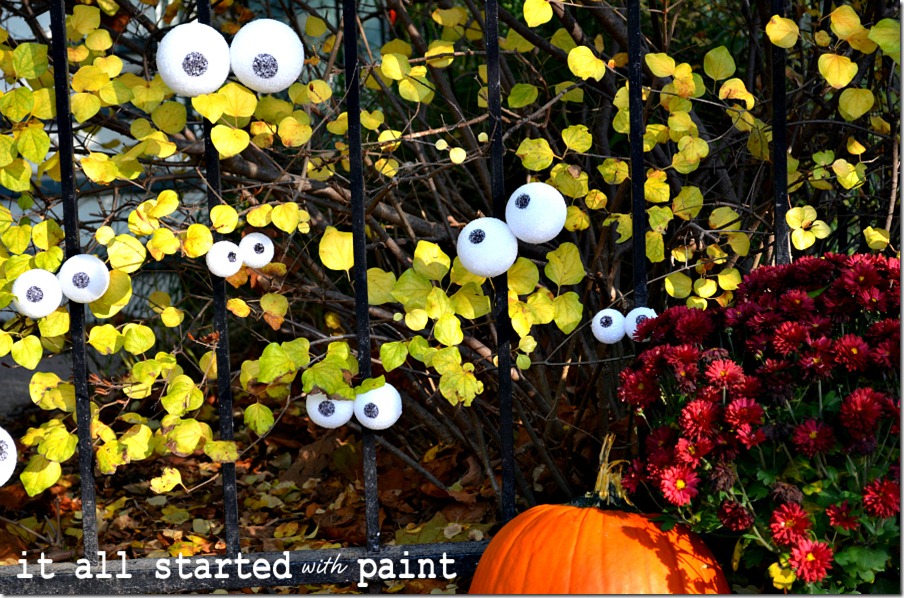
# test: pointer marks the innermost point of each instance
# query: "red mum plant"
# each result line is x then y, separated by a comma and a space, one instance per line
775, 422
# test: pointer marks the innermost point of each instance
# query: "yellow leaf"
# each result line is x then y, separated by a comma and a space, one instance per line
655, 246
724, 218
430, 261
687, 203
84, 19
372, 120
126, 253
387, 167
117, 296
439, 48
844, 22
224, 218
104, 235
197, 240
537, 12
678, 285
705, 287
876, 238
319, 91
660, 64
584, 63
336, 250
568, 311
655, 188
169, 117
782, 32
172, 317
576, 219
238, 307
395, 66
89, 78
27, 352
535, 154
596, 199
286, 216
718, 64
259, 217
565, 266
729, 279
166, 203
735, 89
854, 103
163, 243
379, 286
228, 141
99, 40
239, 102
457, 155
293, 133
837, 70
211, 106
314, 26
84, 106
577, 138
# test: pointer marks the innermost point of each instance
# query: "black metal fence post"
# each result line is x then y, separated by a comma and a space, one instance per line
780, 147
73, 247
224, 374
635, 109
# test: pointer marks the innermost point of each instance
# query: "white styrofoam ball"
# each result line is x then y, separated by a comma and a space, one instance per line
536, 212
38, 293
266, 56
379, 408
224, 258
608, 326
193, 59
256, 250
327, 412
635, 317
84, 278
486, 247
8, 456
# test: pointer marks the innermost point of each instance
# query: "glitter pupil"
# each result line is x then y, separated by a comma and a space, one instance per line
522, 201
80, 280
258, 248
326, 408
606, 321
3, 450
194, 64
371, 411
477, 236
641, 318
231, 256
34, 294
265, 66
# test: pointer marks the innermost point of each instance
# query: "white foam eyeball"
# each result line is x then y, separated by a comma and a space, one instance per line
536, 212
379, 408
329, 413
486, 247
8, 456
266, 56
224, 258
256, 250
84, 278
608, 326
38, 293
635, 317
193, 59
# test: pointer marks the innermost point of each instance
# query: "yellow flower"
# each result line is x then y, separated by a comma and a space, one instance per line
782, 576
805, 227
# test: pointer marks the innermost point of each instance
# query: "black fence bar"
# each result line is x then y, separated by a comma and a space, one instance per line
500, 283
73, 247
635, 109
359, 249
332, 566
224, 375
780, 146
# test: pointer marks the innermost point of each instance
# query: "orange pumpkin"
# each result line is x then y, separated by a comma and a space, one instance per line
564, 549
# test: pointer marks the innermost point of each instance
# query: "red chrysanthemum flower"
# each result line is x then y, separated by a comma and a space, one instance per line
889, 328
764, 321
840, 516
812, 437
886, 354
683, 360
679, 484
860, 412
852, 352
796, 304
817, 325
743, 411
789, 524
698, 419
788, 337
818, 361
750, 436
811, 560
691, 452
724, 373
633, 477
735, 516
882, 498
660, 446
638, 388
694, 326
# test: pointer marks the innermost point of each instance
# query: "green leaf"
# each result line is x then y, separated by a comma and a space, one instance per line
568, 310
523, 276
298, 351
887, 35
460, 385
411, 290
718, 64
393, 354
438, 304
182, 396
183, 439
167, 481
39, 475
470, 302
138, 338
259, 418
27, 352
430, 261
380, 284
33, 144
522, 94
275, 363
448, 330
565, 265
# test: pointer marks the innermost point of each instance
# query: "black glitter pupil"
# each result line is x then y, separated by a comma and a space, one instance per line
3, 450
641, 318
371, 411
477, 236
194, 64
258, 248
522, 201
34, 294
265, 66
80, 280
606, 321
326, 408
231, 256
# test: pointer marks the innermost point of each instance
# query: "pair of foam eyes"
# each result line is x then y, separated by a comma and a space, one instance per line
8, 456
225, 258
376, 409
535, 213
82, 278
609, 326
194, 59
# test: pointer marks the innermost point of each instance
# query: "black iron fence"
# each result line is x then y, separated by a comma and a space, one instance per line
110, 574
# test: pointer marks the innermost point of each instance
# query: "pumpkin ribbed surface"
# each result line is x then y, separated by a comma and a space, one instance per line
559, 549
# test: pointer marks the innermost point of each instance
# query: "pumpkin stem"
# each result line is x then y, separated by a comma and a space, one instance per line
608, 489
